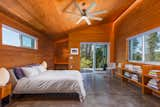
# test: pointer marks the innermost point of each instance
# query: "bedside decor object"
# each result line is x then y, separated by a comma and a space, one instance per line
74, 51
119, 65
4, 76
44, 64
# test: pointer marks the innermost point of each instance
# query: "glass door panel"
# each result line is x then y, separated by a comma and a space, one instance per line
101, 56
86, 55
93, 57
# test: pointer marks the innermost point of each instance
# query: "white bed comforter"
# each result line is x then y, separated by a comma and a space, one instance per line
52, 81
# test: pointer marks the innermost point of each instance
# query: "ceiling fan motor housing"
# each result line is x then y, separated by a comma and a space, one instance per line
83, 4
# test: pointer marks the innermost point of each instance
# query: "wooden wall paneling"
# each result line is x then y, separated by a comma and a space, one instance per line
0, 36
100, 33
127, 51
61, 55
13, 56
143, 15
112, 43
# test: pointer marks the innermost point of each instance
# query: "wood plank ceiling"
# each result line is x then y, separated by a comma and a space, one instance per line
50, 18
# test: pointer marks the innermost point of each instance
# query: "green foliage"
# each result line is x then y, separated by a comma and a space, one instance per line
86, 63
137, 56
152, 41
151, 47
87, 55
135, 43
157, 56
100, 59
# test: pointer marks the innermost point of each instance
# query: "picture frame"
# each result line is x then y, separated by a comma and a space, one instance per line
74, 51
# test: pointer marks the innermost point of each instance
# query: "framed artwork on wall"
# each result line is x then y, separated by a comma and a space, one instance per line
74, 51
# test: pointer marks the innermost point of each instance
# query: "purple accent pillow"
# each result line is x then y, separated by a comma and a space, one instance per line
18, 73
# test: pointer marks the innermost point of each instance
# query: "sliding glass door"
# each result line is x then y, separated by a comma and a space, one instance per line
94, 56
86, 53
101, 56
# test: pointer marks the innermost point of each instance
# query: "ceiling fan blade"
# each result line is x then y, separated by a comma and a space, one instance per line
96, 18
93, 4
98, 12
80, 20
87, 20
76, 14
78, 7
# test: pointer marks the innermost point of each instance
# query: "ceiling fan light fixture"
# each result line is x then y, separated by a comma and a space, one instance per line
86, 14
83, 4
85, 18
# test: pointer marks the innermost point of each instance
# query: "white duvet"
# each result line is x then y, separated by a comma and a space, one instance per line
52, 81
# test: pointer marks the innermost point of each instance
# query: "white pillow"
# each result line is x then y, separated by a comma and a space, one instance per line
44, 64
42, 69
30, 71
39, 68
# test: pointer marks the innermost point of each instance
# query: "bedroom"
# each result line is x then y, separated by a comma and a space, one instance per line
48, 35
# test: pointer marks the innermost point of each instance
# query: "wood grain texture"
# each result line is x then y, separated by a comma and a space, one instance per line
48, 16
61, 52
101, 33
14, 56
5, 91
140, 18
61, 55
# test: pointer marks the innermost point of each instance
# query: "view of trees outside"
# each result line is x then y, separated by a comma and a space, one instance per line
86, 53
152, 47
101, 56
135, 48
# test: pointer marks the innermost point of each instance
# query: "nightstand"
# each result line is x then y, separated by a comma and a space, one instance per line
5, 92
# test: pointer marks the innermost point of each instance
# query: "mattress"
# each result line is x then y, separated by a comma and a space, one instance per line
52, 81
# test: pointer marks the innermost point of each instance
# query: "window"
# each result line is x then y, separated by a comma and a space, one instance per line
145, 47
135, 49
152, 47
13, 37
28, 41
10, 37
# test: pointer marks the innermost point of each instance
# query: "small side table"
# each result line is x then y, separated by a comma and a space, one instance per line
5, 92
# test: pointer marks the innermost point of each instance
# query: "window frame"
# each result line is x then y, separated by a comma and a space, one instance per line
143, 47
21, 34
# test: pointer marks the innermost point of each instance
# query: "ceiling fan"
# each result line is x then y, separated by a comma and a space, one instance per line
86, 14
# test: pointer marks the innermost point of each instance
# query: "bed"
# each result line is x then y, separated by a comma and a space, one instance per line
52, 81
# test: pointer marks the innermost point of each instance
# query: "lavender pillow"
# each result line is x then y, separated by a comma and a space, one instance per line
18, 73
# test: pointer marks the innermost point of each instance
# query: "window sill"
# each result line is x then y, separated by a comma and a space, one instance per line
149, 63
7, 47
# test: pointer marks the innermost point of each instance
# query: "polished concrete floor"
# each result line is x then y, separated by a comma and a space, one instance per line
101, 92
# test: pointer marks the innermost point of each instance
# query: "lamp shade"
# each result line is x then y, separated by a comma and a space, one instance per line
44, 64
4, 76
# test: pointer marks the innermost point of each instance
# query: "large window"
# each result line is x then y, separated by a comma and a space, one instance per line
135, 49
145, 47
13, 37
